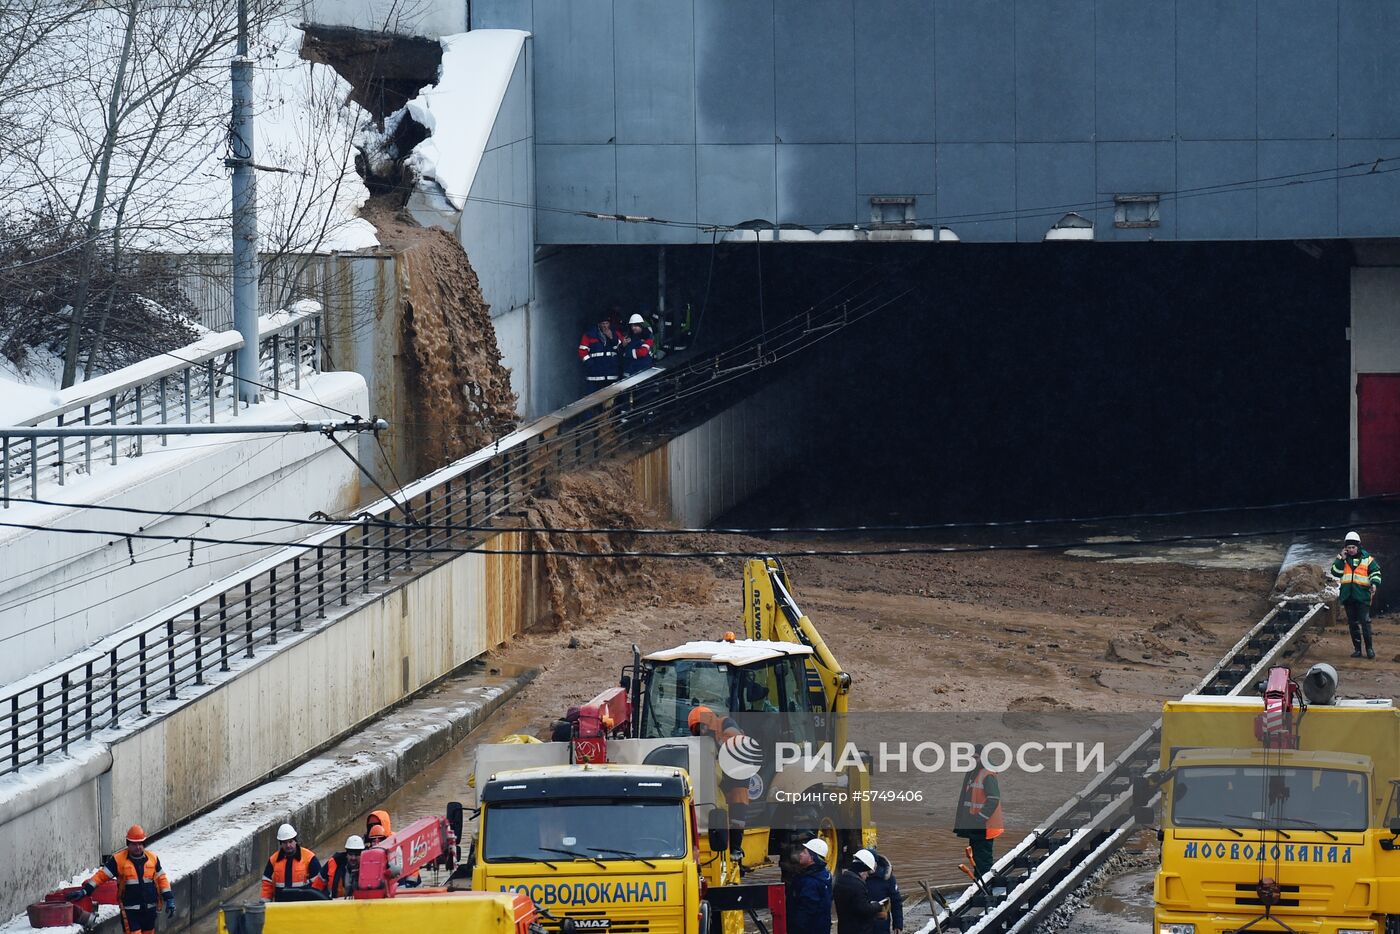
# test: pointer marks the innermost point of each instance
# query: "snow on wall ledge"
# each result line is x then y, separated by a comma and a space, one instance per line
61, 592
430, 18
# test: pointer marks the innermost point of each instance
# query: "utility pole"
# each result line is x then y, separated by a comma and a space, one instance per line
245, 216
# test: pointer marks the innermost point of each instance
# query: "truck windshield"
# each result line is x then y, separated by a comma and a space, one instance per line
675, 688
1287, 798
593, 829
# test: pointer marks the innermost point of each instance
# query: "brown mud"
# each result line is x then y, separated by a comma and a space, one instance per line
462, 390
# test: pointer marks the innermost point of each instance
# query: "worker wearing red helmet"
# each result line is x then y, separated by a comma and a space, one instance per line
141, 882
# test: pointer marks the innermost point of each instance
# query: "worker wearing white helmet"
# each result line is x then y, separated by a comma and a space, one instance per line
291, 869
856, 911
1360, 575
338, 875
638, 344
809, 891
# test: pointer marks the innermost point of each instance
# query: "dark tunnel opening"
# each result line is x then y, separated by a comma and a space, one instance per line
1040, 380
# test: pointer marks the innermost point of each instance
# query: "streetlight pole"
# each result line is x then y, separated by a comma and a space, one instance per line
245, 216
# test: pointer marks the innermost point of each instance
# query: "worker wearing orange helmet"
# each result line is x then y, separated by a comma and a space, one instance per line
377, 833
705, 722
140, 883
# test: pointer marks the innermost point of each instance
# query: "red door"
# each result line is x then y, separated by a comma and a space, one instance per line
1378, 433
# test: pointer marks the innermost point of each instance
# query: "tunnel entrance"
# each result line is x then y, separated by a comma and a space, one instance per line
1037, 380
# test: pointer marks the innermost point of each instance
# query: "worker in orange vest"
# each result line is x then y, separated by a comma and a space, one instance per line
292, 868
140, 881
979, 818
380, 832
381, 819
337, 878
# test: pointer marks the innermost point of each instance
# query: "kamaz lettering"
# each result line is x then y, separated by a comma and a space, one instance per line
591, 893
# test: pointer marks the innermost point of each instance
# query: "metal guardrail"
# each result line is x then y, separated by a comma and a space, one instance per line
209, 634
186, 386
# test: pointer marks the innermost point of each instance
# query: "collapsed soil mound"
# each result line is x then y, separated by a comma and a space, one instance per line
1182, 627
1140, 648
583, 590
461, 390
1305, 581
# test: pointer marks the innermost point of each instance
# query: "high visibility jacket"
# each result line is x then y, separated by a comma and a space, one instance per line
982, 804
599, 353
296, 872
636, 356
736, 791
140, 881
336, 878
381, 818
1357, 574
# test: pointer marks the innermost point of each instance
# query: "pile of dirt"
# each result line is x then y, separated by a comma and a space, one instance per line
1305, 581
1141, 648
460, 387
587, 590
1182, 627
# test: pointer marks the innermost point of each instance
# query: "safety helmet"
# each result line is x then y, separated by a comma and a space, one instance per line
135, 834
354, 842
698, 715
818, 847
377, 832
636, 319
286, 832
865, 858
1353, 537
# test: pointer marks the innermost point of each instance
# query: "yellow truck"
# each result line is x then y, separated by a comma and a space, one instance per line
597, 847
1279, 814
479, 913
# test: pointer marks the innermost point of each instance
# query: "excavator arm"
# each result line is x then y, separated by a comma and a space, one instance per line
771, 614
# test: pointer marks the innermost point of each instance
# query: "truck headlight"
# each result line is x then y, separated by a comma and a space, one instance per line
1356, 931
1177, 929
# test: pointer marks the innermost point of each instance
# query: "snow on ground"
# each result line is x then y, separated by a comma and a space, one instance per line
460, 110
308, 190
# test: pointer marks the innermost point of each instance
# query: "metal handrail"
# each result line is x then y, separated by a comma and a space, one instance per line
209, 634
187, 386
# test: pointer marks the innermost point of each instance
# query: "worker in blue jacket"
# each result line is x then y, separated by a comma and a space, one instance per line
809, 891
881, 884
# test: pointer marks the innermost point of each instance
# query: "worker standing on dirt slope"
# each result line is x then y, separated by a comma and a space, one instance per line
979, 814
293, 867
637, 346
140, 881
598, 349
809, 892
856, 911
1360, 575
882, 884
337, 878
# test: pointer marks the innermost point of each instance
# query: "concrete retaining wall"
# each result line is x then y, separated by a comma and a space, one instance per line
328, 681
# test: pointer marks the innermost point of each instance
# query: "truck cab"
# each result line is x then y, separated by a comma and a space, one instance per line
607, 847
1273, 839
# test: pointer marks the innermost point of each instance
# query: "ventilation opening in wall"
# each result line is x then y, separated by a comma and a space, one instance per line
1137, 211
892, 212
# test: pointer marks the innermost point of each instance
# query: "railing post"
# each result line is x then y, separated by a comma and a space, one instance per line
385, 545
91, 708
320, 581
213, 387
248, 613
61, 467
447, 509
170, 652
112, 420
276, 366
164, 410
344, 568
364, 551
233, 385
223, 632
39, 723
5, 467
199, 645
63, 713
189, 403
140, 447
407, 541
296, 594
141, 654
296, 355
116, 699
316, 347
14, 733
33, 468
87, 442
272, 604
